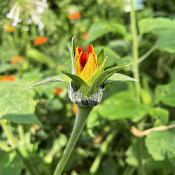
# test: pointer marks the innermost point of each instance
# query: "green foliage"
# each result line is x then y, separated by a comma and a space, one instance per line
49, 107
161, 145
102, 27
10, 162
166, 94
125, 106
12, 103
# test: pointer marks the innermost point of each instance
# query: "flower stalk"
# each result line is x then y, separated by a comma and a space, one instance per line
82, 114
135, 50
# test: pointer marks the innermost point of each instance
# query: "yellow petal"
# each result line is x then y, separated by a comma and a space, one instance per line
90, 67
78, 67
77, 55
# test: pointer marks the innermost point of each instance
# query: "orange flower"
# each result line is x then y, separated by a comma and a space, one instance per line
16, 59
85, 35
74, 16
40, 40
58, 91
7, 78
85, 63
74, 109
9, 29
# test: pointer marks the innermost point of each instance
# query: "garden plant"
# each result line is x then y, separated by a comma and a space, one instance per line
87, 87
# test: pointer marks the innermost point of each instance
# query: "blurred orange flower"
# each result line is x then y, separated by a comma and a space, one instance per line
16, 59
74, 16
85, 35
40, 40
58, 91
74, 109
9, 29
7, 78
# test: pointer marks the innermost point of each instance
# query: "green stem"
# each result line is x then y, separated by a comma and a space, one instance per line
82, 114
12, 140
4, 147
135, 50
7, 130
26, 162
103, 150
33, 163
21, 134
144, 56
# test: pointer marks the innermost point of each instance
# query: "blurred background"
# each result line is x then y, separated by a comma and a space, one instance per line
34, 37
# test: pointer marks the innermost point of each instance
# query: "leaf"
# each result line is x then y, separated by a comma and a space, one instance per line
61, 78
132, 154
102, 27
160, 114
104, 76
40, 57
16, 98
166, 94
77, 80
109, 167
10, 164
166, 41
100, 57
119, 77
96, 73
72, 52
22, 119
123, 105
108, 52
161, 145
156, 25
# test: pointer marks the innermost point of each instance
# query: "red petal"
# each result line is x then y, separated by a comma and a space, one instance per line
83, 59
80, 49
89, 49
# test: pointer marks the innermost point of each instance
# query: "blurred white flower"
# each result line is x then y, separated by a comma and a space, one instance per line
138, 5
27, 10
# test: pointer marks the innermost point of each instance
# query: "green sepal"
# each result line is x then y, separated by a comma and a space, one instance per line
61, 78
72, 49
96, 73
119, 77
100, 57
78, 82
104, 76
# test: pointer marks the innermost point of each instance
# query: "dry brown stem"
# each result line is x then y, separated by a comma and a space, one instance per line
139, 133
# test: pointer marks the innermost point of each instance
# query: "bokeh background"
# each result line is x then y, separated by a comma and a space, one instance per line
34, 37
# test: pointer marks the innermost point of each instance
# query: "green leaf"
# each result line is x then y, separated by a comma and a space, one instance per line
161, 145
40, 57
93, 119
102, 27
77, 80
123, 105
166, 41
109, 167
166, 94
108, 52
104, 76
72, 49
96, 73
100, 57
132, 154
10, 164
59, 78
119, 77
156, 25
16, 98
22, 119
160, 114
